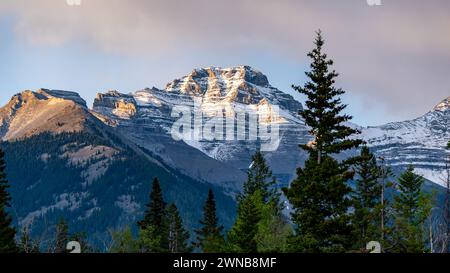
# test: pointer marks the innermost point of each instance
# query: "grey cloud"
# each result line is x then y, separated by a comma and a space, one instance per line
396, 56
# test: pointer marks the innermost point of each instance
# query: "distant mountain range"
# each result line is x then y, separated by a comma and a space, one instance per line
421, 142
94, 166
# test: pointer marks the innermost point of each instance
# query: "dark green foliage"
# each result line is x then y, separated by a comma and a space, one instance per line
324, 107
260, 178
49, 176
155, 209
177, 235
367, 200
124, 242
412, 208
209, 236
260, 225
155, 223
319, 194
242, 236
149, 241
61, 238
7, 231
274, 229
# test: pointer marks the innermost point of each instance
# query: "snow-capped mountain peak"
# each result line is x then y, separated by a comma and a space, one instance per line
214, 84
420, 142
443, 105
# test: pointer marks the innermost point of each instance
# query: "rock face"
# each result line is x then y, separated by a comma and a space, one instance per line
212, 92
94, 167
146, 118
419, 142
31, 113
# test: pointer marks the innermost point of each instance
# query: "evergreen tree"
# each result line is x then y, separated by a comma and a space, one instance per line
7, 231
412, 208
149, 241
242, 236
320, 194
61, 237
209, 236
177, 235
260, 178
274, 230
367, 200
446, 241
154, 215
260, 224
154, 224
27, 244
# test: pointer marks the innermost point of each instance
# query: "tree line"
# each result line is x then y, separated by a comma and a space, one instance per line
332, 206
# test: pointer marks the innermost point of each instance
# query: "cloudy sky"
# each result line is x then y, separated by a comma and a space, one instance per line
394, 59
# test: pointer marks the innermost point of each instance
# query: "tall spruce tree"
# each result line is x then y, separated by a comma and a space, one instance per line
209, 236
260, 178
367, 200
177, 235
260, 221
7, 231
412, 209
61, 237
320, 194
154, 223
154, 215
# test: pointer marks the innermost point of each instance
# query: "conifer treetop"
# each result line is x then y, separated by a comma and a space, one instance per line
323, 113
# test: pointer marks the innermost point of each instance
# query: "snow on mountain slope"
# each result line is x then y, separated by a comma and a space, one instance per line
420, 142
214, 93
146, 118
64, 162
149, 128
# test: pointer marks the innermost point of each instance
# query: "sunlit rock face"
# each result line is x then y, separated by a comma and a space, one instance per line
212, 92
31, 113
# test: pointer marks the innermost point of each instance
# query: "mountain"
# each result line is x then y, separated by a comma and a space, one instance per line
94, 166
31, 113
420, 142
146, 117
64, 162
145, 120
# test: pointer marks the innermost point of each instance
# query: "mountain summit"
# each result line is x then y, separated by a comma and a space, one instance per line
145, 117
95, 165
443, 105
31, 113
